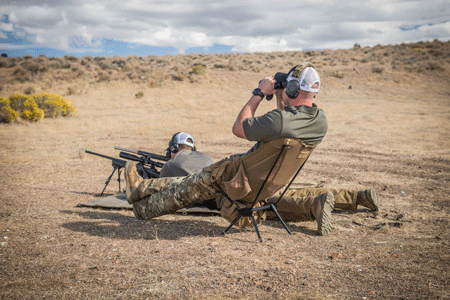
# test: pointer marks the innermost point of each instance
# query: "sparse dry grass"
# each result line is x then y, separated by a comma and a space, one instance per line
390, 132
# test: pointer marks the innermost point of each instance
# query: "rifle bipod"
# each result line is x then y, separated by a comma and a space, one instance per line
118, 168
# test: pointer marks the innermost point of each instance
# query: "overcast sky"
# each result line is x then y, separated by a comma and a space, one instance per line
160, 27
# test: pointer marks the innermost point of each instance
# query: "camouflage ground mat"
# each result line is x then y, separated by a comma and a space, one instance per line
119, 201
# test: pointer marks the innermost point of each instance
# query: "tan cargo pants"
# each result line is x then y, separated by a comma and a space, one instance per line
296, 203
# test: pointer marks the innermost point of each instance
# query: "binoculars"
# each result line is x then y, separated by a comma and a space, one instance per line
278, 86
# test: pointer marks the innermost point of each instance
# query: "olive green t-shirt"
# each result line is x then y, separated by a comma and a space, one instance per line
309, 124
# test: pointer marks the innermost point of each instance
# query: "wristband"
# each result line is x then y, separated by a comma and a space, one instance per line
258, 92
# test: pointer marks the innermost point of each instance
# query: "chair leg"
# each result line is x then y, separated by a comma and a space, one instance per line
279, 217
245, 212
231, 224
256, 228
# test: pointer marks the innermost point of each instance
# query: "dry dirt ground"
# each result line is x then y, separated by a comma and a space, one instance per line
390, 131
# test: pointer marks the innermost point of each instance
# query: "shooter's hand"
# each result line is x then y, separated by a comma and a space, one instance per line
267, 85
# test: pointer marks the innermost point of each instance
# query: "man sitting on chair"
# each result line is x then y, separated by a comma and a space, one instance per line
296, 116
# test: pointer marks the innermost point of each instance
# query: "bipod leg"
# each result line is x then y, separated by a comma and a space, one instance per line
256, 227
279, 217
118, 177
109, 179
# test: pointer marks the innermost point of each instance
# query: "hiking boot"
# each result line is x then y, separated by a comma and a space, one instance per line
133, 180
321, 209
368, 198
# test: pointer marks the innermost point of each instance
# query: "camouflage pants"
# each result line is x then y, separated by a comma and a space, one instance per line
160, 196
296, 204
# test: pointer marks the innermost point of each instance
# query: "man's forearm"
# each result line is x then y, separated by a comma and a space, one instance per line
248, 111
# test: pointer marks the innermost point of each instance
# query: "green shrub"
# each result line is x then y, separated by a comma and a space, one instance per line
338, 74
377, 70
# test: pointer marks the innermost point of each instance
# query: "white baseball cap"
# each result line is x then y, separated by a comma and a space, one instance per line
305, 74
182, 138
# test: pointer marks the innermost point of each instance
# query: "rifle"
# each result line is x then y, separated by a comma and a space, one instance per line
147, 155
117, 164
143, 160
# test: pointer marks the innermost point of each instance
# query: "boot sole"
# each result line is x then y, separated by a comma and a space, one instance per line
374, 202
131, 188
325, 224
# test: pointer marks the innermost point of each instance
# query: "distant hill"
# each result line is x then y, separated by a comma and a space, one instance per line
44, 72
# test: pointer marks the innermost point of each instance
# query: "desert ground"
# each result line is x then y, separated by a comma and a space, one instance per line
388, 109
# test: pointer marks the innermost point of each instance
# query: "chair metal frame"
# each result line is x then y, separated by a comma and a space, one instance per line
249, 211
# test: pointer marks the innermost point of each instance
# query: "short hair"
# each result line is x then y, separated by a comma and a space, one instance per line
184, 146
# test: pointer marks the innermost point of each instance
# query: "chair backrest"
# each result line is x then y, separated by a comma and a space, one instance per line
248, 173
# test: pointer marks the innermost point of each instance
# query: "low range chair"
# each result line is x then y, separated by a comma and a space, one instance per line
256, 176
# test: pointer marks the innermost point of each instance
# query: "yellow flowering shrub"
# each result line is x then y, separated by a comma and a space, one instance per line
31, 111
17, 101
198, 70
54, 105
34, 107
7, 114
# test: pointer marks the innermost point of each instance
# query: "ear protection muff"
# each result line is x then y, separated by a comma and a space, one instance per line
293, 89
173, 143
173, 146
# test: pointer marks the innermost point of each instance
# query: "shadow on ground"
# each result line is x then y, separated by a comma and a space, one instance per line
113, 224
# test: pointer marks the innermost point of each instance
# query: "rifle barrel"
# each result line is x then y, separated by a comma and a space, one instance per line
119, 162
124, 149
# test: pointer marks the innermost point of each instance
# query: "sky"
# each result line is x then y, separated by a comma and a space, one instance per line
164, 27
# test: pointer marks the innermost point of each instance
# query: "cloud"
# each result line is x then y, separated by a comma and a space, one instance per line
246, 26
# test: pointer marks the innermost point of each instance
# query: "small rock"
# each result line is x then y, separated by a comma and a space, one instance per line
336, 255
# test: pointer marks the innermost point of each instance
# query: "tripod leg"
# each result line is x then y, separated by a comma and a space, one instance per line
279, 217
